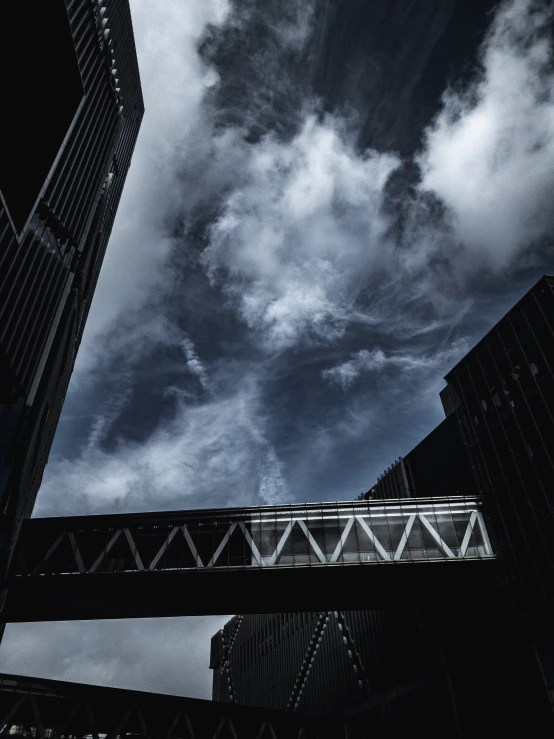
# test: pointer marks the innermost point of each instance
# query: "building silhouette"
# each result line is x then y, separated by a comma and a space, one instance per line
74, 115
475, 669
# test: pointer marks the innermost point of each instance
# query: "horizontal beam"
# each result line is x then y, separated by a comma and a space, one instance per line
144, 594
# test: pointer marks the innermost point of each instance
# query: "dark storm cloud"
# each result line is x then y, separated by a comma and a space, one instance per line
309, 239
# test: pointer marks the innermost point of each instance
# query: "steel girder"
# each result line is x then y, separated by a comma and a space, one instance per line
51, 709
194, 561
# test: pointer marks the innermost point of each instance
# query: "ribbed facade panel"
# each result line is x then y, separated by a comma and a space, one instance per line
506, 417
314, 663
48, 270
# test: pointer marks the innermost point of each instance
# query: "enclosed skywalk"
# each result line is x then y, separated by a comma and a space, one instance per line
363, 554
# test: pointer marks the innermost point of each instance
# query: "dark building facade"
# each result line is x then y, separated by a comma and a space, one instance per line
502, 397
465, 671
372, 664
75, 112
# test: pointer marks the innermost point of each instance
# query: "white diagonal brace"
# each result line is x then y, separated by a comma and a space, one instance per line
282, 541
405, 535
251, 542
60, 731
76, 552
313, 542
263, 728
374, 540
173, 725
92, 722
163, 547
468, 533
192, 547
121, 725
52, 549
36, 715
436, 536
142, 723
219, 727
342, 540
134, 550
222, 544
109, 545
222, 724
189, 727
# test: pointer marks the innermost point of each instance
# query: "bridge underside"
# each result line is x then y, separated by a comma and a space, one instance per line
36, 707
275, 590
362, 555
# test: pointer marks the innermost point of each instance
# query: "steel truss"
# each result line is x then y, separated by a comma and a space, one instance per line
387, 531
50, 709
155, 564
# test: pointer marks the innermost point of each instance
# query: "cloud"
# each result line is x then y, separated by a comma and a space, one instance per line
490, 153
305, 230
194, 365
312, 239
363, 361
399, 368
208, 454
174, 79
111, 411
298, 237
303, 238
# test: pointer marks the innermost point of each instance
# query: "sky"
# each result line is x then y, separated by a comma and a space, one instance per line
329, 203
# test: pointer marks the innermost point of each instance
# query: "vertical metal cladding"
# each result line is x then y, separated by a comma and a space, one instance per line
314, 663
60, 237
506, 415
393, 483
48, 271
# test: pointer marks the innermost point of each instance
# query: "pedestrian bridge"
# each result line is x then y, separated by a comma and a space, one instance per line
362, 554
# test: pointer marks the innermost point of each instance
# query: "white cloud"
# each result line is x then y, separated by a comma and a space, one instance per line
123, 344
194, 365
174, 81
212, 454
490, 154
298, 236
363, 361
401, 366
111, 411
303, 233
